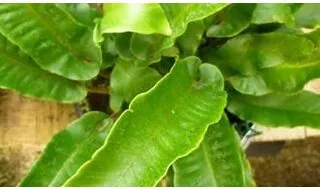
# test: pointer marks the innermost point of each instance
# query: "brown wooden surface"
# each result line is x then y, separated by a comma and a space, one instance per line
26, 125
30, 122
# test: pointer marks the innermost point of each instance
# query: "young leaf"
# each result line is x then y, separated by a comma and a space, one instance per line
219, 161
273, 13
191, 39
146, 47
109, 52
129, 79
19, 72
68, 150
278, 109
234, 19
53, 38
178, 15
82, 12
122, 44
134, 17
160, 126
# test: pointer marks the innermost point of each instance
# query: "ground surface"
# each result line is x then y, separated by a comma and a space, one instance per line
298, 164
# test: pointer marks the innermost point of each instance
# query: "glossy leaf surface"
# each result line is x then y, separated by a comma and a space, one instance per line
160, 126
277, 109
148, 18
20, 73
68, 150
219, 161
150, 47
53, 38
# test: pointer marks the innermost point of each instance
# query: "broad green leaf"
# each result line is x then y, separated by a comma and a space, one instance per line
233, 20
219, 161
283, 78
191, 39
278, 109
308, 16
141, 18
263, 63
159, 127
273, 13
129, 79
68, 150
53, 38
82, 12
150, 47
19, 72
181, 14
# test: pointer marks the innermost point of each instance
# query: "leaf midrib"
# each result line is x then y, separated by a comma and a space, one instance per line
65, 44
89, 136
70, 157
150, 139
208, 163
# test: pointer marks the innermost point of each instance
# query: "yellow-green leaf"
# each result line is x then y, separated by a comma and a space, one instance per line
143, 18
160, 126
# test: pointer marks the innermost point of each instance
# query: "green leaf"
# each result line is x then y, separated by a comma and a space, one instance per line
159, 127
150, 47
53, 38
308, 16
122, 46
134, 17
115, 102
283, 78
82, 12
19, 72
68, 150
273, 13
109, 52
278, 109
191, 39
219, 161
179, 16
233, 20
262, 63
146, 47
129, 79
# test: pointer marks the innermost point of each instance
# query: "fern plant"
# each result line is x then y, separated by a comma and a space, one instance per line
171, 72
